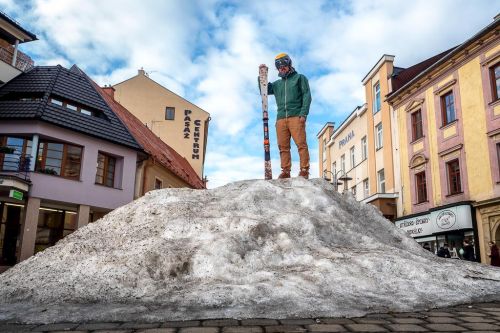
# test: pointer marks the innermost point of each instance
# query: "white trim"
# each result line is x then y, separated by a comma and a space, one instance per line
380, 196
377, 66
322, 131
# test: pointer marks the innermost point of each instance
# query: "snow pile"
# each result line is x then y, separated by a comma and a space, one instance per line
281, 248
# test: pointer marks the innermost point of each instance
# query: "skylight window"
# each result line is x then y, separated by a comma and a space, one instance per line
56, 102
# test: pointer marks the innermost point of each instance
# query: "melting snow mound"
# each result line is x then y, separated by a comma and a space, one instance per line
250, 249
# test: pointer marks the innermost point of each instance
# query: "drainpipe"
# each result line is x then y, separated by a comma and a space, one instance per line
14, 58
34, 148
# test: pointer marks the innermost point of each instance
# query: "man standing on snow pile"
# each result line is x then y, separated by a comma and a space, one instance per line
293, 98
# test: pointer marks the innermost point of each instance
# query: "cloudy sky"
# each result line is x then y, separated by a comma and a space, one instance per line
209, 52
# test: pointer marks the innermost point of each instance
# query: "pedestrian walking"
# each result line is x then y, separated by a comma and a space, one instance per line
293, 98
468, 251
443, 251
494, 254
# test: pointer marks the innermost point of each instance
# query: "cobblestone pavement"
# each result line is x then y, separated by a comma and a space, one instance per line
483, 317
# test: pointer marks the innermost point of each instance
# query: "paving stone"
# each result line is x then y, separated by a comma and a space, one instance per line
471, 314
488, 305
407, 328
408, 321
97, 326
56, 327
157, 330
445, 328
298, 321
326, 328
366, 328
409, 315
477, 319
438, 314
242, 329
69, 331
113, 331
284, 328
491, 309
443, 320
6, 327
187, 323
136, 326
481, 326
199, 330
220, 322
378, 315
371, 321
259, 322
340, 321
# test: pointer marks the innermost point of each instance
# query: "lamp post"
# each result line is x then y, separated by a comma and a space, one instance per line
336, 182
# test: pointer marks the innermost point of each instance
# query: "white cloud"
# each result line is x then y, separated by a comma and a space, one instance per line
209, 52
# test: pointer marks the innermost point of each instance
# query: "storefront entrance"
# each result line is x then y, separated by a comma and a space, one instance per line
10, 227
53, 225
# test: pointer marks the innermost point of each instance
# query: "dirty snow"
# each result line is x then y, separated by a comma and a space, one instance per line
250, 249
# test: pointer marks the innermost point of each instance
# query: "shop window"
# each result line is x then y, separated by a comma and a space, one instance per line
158, 184
169, 113
448, 108
416, 125
381, 181
420, 183
498, 160
377, 105
454, 181
53, 225
106, 167
59, 159
495, 81
378, 136
364, 148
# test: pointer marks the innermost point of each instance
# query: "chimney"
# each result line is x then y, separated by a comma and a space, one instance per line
141, 71
110, 91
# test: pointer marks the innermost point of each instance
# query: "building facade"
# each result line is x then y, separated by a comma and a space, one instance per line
448, 115
12, 61
178, 122
323, 137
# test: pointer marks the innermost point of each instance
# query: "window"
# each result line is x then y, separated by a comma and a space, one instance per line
376, 93
498, 157
106, 166
454, 181
353, 190
59, 159
169, 113
324, 149
342, 163
53, 225
158, 184
17, 157
366, 188
364, 150
72, 107
495, 81
381, 181
448, 108
378, 136
353, 157
56, 102
421, 186
334, 168
416, 125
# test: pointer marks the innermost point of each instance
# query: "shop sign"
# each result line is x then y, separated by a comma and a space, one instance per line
18, 195
452, 218
196, 133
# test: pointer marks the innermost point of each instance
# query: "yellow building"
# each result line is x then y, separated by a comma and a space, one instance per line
448, 115
178, 122
323, 137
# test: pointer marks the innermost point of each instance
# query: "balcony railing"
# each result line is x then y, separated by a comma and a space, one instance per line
15, 164
23, 61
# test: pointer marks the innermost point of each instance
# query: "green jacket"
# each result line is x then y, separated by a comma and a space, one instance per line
292, 94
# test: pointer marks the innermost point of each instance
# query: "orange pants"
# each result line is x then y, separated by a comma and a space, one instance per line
292, 127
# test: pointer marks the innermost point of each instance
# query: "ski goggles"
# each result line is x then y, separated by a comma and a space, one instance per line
282, 62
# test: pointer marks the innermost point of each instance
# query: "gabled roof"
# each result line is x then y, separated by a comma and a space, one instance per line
72, 85
153, 145
402, 76
8, 36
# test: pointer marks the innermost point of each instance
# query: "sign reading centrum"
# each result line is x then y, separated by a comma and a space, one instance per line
451, 218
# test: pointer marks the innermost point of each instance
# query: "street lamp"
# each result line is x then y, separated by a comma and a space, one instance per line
336, 182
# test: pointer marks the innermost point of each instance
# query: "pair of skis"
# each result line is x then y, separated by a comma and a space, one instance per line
268, 173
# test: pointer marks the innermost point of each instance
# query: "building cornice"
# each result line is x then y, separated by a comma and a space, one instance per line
324, 128
377, 66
